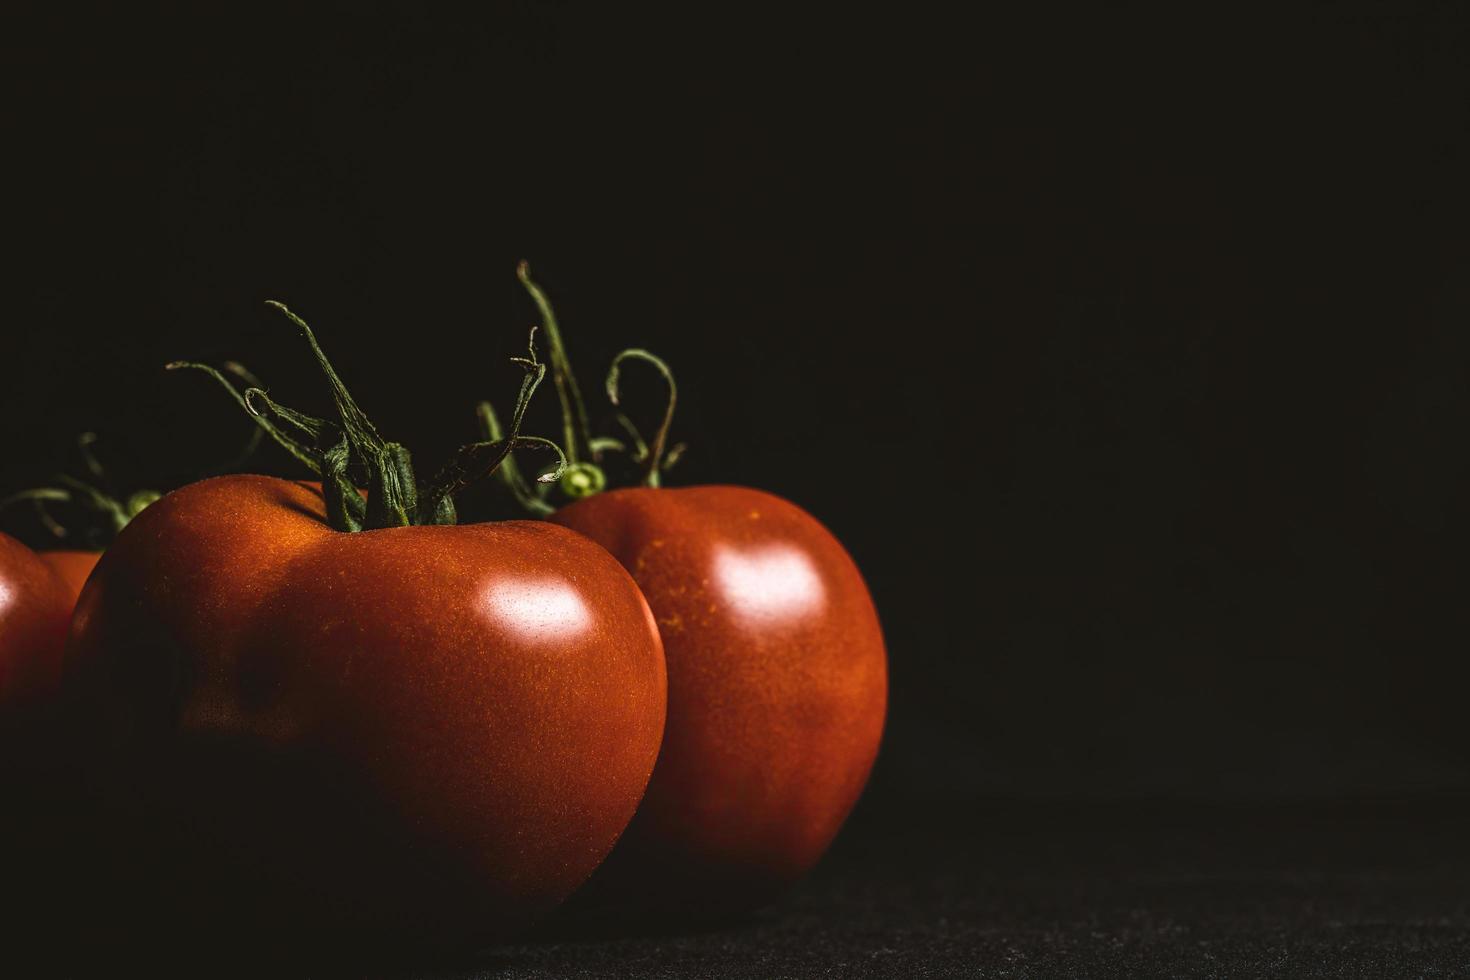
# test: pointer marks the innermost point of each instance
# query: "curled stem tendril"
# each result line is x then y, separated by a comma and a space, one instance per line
300, 452
576, 429
480, 459
651, 455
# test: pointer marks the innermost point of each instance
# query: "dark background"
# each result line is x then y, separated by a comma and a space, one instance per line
1126, 353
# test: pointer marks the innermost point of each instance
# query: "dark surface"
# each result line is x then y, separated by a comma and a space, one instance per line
1363, 889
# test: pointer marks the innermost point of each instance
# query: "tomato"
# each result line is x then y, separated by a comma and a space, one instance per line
777, 690
777, 672
72, 566
438, 730
35, 608
336, 722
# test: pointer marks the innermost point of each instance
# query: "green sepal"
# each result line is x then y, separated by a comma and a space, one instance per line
348, 453
346, 510
330, 456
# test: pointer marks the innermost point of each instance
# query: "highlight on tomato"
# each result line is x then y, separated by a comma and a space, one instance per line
776, 665
318, 719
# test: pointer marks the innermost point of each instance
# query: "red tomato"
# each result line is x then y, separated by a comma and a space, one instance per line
72, 566
415, 732
35, 609
777, 689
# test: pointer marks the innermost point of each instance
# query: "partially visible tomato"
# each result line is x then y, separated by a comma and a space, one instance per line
776, 665
35, 609
777, 688
95, 515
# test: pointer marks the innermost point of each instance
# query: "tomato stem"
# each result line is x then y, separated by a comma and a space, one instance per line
478, 460
264, 426
392, 490
39, 497
349, 452
576, 430
653, 454
113, 513
585, 474
252, 442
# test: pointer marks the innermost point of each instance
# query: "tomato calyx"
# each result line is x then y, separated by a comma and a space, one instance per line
587, 455
348, 452
105, 515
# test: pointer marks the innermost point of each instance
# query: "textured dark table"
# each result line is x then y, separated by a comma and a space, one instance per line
1370, 889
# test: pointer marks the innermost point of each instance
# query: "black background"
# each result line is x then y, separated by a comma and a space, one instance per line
1126, 352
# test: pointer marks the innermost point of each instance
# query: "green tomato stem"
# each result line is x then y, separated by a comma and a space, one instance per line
348, 452
576, 430
653, 455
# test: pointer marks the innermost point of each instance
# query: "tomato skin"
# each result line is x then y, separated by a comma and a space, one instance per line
405, 735
35, 610
777, 691
72, 566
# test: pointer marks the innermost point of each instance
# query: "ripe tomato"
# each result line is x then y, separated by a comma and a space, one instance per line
434, 729
35, 609
777, 688
777, 672
411, 732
